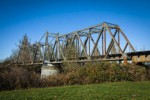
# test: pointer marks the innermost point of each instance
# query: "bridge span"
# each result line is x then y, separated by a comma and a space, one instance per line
102, 42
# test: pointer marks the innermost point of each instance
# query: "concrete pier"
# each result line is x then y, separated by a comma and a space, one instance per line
48, 70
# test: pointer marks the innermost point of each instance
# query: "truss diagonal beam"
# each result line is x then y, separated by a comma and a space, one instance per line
114, 39
126, 39
95, 46
82, 44
110, 45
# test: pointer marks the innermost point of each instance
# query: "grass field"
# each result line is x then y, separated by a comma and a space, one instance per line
113, 91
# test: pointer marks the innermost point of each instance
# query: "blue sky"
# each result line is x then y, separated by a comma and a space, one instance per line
35, 17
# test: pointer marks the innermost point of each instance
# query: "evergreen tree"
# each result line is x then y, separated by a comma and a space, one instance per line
24, 50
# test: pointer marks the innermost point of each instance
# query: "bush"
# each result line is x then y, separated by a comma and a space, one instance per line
104, 71
97, 72
17, 77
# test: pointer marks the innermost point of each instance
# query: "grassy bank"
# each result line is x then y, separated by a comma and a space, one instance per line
116, 90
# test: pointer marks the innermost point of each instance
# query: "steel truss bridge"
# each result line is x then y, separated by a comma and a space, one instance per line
102, 42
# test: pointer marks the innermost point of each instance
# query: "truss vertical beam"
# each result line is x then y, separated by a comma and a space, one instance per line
118, 41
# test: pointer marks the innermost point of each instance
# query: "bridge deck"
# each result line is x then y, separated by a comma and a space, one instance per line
139, 56
135, 57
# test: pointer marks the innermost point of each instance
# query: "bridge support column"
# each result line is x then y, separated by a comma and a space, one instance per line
49, 69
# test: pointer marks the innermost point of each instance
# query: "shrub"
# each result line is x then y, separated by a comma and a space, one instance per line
97, 72
17, 77
104, 71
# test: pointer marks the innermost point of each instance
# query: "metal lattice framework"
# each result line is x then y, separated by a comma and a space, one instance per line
104, 41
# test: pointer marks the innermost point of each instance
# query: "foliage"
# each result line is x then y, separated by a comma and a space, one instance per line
24, 55
17, 77
104, 71
69, 49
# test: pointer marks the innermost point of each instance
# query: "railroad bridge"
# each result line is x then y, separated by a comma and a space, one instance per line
102, 42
